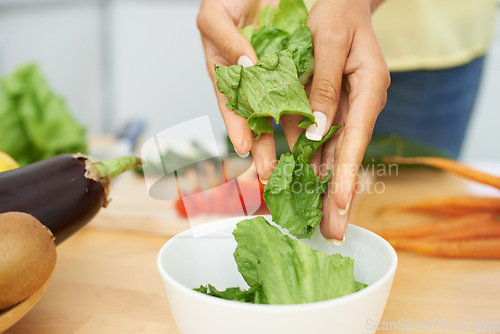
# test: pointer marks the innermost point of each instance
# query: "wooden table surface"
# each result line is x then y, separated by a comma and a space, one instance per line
106, 279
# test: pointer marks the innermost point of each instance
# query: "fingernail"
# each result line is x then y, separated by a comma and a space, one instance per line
315, 131
263, 181
242, 155
245, 61
343, 212
336, 242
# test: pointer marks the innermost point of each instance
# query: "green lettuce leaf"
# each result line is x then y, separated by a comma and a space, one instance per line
289, 271
236, 294
35, 123
307, 148
293, 193
295, 199
358, 286
291, 14
266, 16
282, 270
248, 32
269, 39
283, 28
300, 43
271, 88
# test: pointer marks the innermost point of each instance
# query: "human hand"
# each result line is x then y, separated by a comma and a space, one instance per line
219, 22
349, 89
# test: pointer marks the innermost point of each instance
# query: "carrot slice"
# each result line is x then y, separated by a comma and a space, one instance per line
473, 248
449, 206
449, 166
437, 227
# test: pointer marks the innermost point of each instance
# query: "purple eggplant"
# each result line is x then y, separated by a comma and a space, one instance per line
64, 192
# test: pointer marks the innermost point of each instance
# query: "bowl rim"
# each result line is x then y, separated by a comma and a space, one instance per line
389, 274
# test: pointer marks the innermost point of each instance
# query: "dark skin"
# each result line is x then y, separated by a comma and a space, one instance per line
348, 87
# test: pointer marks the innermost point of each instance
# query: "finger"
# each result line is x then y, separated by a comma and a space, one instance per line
264, 155
292, 133
333, 224
330, 53
291, 129
319, 157
368, 96
239, 132
215, 24
328, 230
316, 163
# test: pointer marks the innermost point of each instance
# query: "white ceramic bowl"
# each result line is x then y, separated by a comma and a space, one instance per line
204, 254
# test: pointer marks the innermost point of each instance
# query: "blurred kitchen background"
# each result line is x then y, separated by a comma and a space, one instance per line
115, 61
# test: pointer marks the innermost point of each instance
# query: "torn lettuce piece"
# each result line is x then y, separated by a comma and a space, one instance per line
269, 39
289, 271
266, 15
304, 77
248, 32
358, 286
293, 196
300, 43
283, 28
274, 85
236, 294
290, 15
282, 270
293, 193
307, 148
270, 88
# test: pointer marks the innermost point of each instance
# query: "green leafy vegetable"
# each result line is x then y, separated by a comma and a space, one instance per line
282, 270
35, 123
293, 193
274, 85
290, 15
271, 88
358, 286
269, 39
307, 148
301, 44
266, 16
236, 294
279, 269
283, 28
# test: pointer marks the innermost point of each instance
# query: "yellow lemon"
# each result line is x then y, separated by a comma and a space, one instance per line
6, 162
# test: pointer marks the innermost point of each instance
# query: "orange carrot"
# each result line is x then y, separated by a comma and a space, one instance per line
437, 227
449, 206
472, 248
481, 230
449, 166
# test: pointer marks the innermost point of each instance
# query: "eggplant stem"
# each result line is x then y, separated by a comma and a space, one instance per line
114, 167
103, 172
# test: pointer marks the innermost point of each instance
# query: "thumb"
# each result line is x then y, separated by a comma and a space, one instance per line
220, 29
